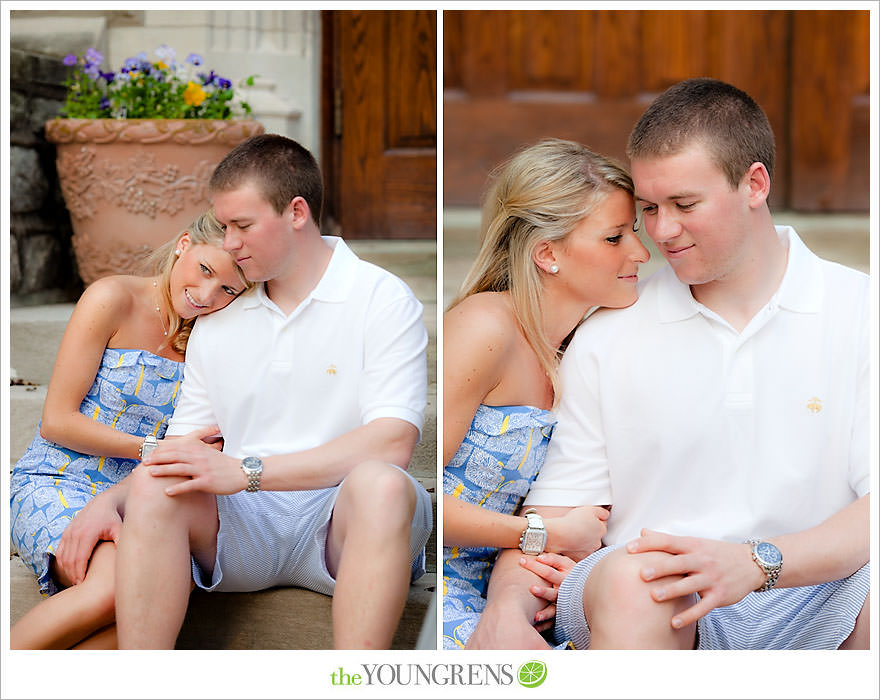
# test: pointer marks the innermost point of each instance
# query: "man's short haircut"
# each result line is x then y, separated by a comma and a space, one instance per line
279, 167
721, 117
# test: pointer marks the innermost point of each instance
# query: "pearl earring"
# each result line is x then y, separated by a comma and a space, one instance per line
554, 268
177, 252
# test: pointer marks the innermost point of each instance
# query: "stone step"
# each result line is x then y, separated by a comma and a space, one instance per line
279, 618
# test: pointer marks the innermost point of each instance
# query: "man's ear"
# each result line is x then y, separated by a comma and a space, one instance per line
757, 180
299, 211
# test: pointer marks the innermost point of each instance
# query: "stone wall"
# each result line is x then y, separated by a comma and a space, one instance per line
282, 48
42, 266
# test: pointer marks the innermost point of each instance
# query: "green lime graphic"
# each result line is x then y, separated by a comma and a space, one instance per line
531, 674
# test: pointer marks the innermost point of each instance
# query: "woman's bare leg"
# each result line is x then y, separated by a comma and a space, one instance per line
102, 639
75, 613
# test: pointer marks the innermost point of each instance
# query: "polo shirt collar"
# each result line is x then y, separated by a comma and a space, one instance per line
334, 286
801, 288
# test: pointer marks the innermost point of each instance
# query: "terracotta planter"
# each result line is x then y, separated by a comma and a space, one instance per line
132, 184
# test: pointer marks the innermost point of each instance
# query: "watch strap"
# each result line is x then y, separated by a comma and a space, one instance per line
534, 525
771, 572
149, 444
253, 470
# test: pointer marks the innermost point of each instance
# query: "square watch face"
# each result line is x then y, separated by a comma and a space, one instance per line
533, 540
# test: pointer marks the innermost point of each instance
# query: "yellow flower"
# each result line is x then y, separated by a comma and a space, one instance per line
193, 95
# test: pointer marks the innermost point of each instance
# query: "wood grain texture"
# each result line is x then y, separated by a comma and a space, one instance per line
384, 70
512, 77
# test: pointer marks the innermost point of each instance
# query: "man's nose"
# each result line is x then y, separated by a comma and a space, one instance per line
664, 226
231, 240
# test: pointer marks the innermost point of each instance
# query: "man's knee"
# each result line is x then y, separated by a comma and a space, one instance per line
146, 497
374, 484
615, 587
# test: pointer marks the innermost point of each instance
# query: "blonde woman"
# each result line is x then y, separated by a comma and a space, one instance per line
557, 240
113, 388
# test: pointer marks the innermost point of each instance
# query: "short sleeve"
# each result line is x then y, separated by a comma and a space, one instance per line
859, 461
575, 472
394, 380
194, 408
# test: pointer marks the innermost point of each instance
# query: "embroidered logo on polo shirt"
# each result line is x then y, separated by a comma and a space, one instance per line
331, 369
814, 405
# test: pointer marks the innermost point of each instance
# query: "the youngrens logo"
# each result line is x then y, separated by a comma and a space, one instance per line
531, 674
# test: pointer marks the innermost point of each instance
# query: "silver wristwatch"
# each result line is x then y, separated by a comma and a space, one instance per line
769, 559
149, 444
534, 537
253, 470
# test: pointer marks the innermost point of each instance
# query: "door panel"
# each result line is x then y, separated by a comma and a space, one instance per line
513, 77
381, 123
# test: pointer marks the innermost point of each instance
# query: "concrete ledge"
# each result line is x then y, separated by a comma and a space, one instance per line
278, 618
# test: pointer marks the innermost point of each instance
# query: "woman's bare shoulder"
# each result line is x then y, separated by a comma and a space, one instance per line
115, 293
483, 321
492, 309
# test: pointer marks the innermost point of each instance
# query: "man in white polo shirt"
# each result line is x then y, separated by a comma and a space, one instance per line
729, 403
317, 382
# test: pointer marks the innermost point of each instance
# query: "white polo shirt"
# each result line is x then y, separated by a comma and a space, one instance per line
351, 352
689, 427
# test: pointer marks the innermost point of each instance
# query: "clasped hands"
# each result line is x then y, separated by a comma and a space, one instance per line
204, 467
719, 573
195, 455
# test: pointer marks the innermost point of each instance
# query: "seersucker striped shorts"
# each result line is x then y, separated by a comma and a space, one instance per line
809, 617
278, 538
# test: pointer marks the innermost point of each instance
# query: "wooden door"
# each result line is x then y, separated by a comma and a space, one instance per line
511, 78
380, 123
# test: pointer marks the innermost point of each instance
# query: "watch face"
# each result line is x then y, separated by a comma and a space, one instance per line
769, 554
252, 464
533, 541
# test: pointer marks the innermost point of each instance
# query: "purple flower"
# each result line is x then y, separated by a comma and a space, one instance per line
207, 79
107, 76
70, 59
194, 59
94, 56
92, 70
130, 65
166, 53
222, 83
104, 103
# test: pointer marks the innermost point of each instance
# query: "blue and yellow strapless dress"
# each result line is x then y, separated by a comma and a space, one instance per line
500, 456
135, 392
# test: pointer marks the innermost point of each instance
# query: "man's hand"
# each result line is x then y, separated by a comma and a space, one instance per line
723, 573
98, 520
208, 470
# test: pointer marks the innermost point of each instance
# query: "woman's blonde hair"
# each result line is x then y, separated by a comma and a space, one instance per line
540, 194
205, 230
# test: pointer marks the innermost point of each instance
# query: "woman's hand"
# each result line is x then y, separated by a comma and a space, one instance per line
552, 568
578, 533
98, 520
